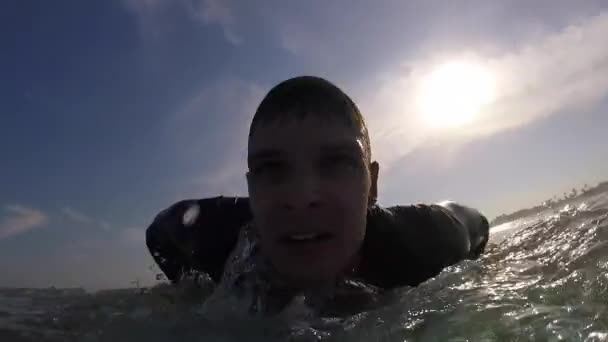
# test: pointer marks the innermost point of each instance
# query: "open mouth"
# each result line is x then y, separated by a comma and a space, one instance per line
301, 238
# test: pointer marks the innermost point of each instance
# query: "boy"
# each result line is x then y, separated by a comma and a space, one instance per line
311, 221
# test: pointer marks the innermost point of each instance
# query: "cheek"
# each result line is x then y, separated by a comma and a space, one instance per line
350, 192
347, 204
265, 210
262, 201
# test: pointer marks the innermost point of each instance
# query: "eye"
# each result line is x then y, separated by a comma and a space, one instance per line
340, 159
340, 164
269, 170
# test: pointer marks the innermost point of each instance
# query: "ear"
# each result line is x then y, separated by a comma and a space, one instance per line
374, 169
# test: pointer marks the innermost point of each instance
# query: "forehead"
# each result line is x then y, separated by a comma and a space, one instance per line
301, 135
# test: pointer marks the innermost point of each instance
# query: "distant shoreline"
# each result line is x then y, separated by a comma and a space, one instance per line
553, 203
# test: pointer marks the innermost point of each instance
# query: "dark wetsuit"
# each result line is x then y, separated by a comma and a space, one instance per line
404, 245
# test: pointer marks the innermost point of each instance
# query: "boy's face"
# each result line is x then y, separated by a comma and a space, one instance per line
310, 184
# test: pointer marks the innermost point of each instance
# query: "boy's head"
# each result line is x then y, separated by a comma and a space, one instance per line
310, 179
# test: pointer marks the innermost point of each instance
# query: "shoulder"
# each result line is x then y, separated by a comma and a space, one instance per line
200, 231
405, 245
408, 217
203, 223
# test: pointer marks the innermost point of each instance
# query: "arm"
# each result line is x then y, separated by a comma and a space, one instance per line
475, 224
197, 235
406, 245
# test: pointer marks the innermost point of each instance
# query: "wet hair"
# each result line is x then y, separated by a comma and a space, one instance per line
302, 96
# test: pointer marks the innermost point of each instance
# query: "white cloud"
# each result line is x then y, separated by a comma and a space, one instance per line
219, 12
134, 235
208, 12
19, 220
81, 218
561, 71
76, 215
218, 157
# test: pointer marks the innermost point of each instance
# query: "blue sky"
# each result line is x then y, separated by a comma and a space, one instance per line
113, 110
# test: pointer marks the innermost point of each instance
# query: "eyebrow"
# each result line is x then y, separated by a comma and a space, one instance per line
347, 146
273, 153
262, 154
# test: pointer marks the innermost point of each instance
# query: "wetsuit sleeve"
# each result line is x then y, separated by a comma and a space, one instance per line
475, 224
197, 235
406, 245
164, 252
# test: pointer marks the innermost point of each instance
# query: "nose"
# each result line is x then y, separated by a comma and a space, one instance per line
303, 191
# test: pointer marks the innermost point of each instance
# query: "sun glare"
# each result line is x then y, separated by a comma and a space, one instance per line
454, 93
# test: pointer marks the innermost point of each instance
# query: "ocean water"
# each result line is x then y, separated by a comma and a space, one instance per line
543, 278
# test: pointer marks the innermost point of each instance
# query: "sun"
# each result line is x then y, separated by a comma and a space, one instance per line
454, 93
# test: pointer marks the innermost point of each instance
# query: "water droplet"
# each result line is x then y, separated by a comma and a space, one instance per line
191, 215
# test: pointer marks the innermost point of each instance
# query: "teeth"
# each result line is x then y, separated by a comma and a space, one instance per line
303, 236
